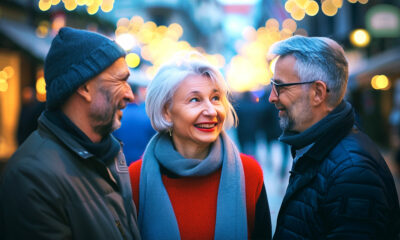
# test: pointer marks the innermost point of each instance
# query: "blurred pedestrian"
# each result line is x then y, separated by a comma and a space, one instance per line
269, 125
31, 109
340, 186
136, 130
394, 120
193, 183
69, 180
247, 111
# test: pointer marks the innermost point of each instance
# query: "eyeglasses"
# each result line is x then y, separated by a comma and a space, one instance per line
276, 87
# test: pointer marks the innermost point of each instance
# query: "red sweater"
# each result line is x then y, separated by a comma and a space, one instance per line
194, 199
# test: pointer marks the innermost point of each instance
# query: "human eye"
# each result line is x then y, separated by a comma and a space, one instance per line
216, 98
194, 99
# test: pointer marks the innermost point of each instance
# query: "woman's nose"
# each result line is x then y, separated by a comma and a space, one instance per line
209, 109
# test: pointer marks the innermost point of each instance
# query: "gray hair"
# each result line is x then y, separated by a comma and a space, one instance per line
317, 58
167, 80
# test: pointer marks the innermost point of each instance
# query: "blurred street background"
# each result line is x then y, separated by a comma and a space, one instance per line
234, 35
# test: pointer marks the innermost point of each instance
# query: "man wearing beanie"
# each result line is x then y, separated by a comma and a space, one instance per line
69, 179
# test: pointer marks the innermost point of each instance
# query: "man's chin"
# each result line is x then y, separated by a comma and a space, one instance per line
116, 124
284, 123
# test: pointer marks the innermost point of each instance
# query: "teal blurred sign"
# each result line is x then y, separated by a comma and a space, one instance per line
383, 20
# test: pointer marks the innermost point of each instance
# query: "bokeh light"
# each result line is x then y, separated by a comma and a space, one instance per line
44, 5
70, 5
92, 9
380, 82
301, 3
312, 8
41, 85
272, 24
289, 5
3, 75
132, 59
360, 38
43, 29
92, 6
3, 85
107, 5
9, 71
250, 70
156, 44
328, 8
337, 3
289, 24
126, 41
298, 13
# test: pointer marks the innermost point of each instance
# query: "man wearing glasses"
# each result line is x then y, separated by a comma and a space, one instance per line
340, 186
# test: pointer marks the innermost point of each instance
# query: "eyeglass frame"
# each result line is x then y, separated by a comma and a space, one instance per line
275, 85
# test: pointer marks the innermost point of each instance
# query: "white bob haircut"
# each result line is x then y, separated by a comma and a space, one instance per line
167, 80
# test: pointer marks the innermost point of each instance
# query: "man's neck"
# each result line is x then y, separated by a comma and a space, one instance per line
77, 113
318, 114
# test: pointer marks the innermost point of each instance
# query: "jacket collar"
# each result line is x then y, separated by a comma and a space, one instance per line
325, 134
326, 137
46, 125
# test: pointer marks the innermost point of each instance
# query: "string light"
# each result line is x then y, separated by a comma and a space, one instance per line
250, 69
299, 8
5, 74
157, 44
92, 6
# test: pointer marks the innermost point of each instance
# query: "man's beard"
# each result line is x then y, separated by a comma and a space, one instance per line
104, 116
285, 122
104, 125
288, 122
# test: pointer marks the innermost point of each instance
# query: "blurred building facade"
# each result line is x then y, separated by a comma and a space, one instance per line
232, 32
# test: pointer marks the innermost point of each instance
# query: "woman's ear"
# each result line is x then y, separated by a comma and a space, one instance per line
167, 113
319, 94
84, 92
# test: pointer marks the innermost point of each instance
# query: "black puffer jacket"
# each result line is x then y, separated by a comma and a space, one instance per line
53, 188
339, 189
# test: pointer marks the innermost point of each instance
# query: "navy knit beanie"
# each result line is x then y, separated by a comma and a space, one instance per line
76, 56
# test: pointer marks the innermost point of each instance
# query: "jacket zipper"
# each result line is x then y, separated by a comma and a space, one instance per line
119, 226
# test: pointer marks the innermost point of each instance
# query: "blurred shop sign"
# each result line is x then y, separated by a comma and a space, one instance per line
383, 20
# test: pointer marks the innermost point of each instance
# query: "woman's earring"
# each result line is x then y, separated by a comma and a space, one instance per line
170, 132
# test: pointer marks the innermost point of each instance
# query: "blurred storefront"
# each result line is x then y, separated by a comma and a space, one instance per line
372, 83
372, 92
25, 37
21, 57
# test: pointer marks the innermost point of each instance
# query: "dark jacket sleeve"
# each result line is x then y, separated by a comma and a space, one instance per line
262, 223
29, 208
357, 205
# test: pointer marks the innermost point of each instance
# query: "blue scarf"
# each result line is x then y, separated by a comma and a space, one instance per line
339, 121
156, 215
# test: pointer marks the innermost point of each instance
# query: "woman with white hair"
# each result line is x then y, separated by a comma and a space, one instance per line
192, 182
